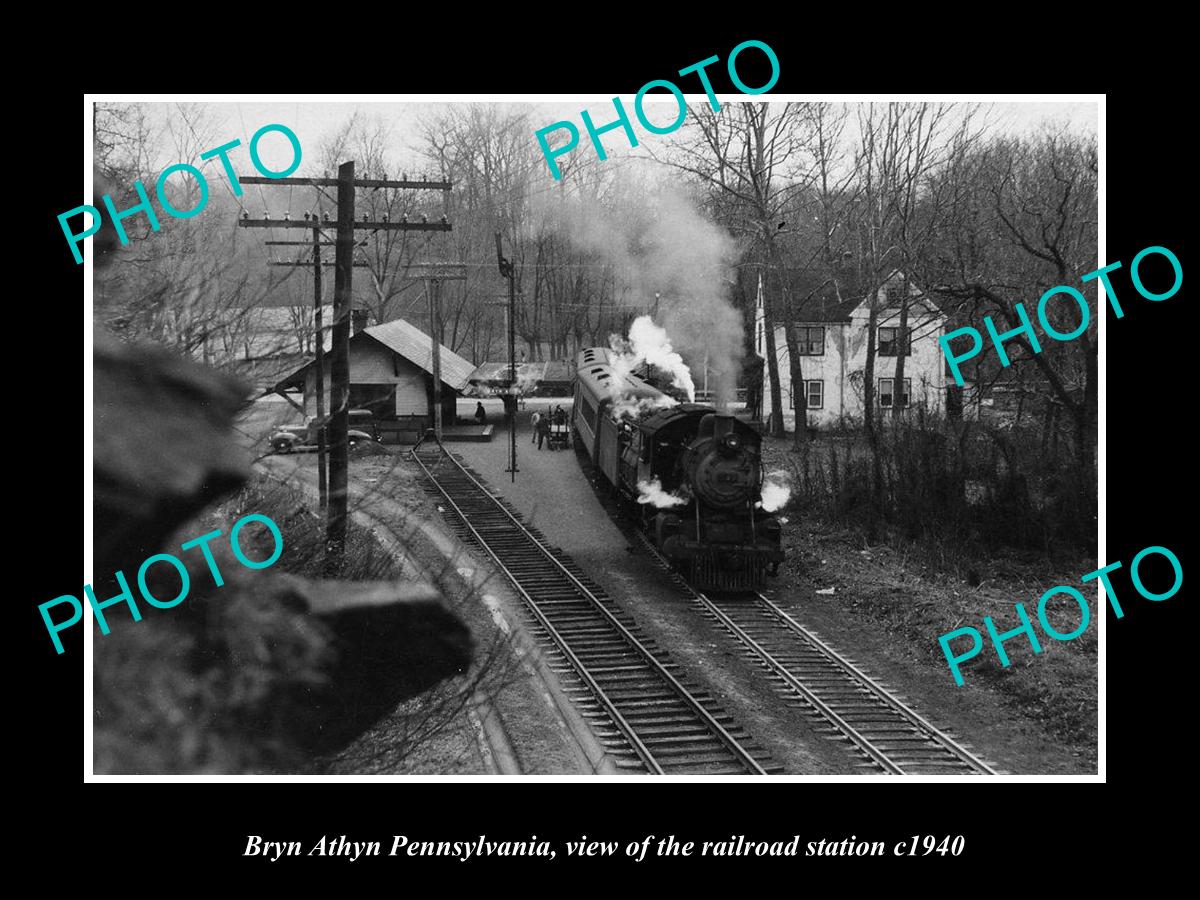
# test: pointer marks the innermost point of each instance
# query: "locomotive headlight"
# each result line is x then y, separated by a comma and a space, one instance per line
730, 444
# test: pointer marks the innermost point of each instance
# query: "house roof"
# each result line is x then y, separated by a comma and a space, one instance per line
835, 299
409, 342
827, 310
819, 299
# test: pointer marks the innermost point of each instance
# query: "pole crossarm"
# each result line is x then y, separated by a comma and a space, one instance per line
325, 262
373, 226
334, 436
358, 183
438, 271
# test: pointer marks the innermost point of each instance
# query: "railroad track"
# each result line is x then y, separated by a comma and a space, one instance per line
644, 711
888, 733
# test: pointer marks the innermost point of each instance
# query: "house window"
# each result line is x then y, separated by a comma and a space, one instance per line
886, 392
888, 341
810, 341
815, 391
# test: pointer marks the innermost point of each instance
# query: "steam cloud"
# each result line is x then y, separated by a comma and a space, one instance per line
775, 494
652, 492
656, 242
634, 407
527, 382
649, 344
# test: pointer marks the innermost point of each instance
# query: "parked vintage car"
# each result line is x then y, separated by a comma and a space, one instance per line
301, 438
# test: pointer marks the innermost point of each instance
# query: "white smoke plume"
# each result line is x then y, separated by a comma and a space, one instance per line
527, 381
775, 492
648, 343
626, 406
661, 254
652, 492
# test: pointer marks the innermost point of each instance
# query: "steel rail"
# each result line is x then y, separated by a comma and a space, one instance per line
767, 658
878, 690
828, 654
731, 743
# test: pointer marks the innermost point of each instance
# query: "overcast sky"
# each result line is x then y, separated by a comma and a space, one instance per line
314, 122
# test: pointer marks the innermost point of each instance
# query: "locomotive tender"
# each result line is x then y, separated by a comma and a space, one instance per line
707, 464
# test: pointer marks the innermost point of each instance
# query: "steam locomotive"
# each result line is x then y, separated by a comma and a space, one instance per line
692, 475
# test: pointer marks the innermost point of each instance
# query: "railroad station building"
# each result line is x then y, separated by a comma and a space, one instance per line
391, 374
831, 336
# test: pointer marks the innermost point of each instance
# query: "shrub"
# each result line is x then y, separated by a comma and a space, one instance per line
954, 488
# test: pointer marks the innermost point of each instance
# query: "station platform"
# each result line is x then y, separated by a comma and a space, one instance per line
460, 433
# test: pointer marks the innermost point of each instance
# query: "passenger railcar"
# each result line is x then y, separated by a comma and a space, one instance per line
692, 475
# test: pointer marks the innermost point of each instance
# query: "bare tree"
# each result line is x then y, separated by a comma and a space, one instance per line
388, 254
483, 150
899, 146
191, 283
750, 156
1026, 221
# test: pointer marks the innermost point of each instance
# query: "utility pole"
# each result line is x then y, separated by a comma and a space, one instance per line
322, 483
339, 372
433, 275
432, 287
506, 271
339, 450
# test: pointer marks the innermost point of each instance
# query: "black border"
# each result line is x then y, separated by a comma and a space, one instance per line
1146, 444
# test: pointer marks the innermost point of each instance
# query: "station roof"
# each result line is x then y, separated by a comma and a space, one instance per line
405, 340
417, 347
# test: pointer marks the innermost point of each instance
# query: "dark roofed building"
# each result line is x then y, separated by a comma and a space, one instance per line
391, 374
537, 379
827, 309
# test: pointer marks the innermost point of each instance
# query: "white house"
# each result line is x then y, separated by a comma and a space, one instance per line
831, 336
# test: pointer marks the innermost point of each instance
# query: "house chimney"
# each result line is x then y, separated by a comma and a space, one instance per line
358, 320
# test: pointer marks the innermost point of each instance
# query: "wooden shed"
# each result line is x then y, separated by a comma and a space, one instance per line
391, 374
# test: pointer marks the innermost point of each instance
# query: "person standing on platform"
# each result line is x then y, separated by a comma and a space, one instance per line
537, 416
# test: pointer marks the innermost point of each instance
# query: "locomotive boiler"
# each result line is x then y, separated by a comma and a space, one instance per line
691, 475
